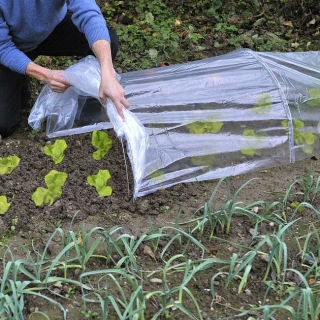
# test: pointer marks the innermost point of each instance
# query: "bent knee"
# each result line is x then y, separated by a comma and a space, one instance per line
7, 127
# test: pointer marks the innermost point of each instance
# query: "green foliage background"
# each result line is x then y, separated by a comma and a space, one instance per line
161, 32
157, 32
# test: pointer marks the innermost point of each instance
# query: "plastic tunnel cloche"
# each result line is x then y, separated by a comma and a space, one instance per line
201, 120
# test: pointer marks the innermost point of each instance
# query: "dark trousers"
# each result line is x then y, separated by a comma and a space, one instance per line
65, 40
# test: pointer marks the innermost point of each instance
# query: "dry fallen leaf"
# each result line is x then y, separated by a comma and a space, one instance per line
148, 252
264, 257
288, 24
213, 251
79, 241
235, 19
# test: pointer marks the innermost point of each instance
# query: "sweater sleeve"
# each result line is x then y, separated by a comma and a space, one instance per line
10, 55
86, 15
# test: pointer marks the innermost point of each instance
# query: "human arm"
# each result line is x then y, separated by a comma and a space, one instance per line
87, 16
109, 86
51, 77
18, 61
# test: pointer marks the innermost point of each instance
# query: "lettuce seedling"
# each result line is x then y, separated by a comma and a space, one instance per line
204, 160
99, 181
54, 181
314, 97
102, 142
56, 150
300, 136
4, 205
7, 165
210, 125
250, 147
157, 175
264, 104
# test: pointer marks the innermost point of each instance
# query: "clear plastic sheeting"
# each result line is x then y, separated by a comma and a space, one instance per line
201, 120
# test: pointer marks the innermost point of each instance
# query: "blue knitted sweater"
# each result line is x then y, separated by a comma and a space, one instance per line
24, 24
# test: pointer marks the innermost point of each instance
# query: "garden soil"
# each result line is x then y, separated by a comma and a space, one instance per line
26, 224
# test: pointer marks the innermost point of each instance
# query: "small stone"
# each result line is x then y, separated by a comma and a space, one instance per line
255, 209
77, 304
77, 272
55, 209
156, 280
264, 257
248, 292
254, 232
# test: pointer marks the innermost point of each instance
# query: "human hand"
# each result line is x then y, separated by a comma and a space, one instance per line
56, 82
111, 88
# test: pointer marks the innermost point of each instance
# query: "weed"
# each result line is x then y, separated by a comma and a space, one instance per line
14, 223
90, 314
32, 134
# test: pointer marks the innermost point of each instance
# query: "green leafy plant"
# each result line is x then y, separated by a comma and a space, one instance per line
32, 134
99, 182
204, 160
14, 223
8, 164
315, 97
263, 104
90, 314
102, 142
54, 181
210, 125
151, 32
252, 141
56, 150
306, 138
165, 208
4, 205
157, 175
